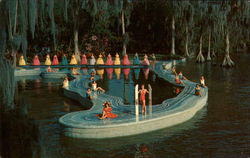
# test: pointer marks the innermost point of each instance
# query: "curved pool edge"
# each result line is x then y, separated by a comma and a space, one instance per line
184, 107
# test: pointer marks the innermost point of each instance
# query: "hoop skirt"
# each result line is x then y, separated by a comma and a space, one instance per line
22, 61
73, 60
36, 61
145, 62
109, 60
47, 61
64, 60
100, 61
55, 60
126, 60
136, 60
92, 61
84, 60
117, 60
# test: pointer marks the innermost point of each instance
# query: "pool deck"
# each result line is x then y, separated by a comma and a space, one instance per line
85, 124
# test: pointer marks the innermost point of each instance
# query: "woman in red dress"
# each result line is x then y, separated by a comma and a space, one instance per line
107, 111
142, 93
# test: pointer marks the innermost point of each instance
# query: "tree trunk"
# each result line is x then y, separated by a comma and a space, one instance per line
13, 54
14, 51
186, 43
209, 47
227, 60
124, 47
76, 47
200, 58
173, 37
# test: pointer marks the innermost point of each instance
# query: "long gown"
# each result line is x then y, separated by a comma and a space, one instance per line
73, 60
22, 61
108, 112
55, 60
100, 61
47, 61
126, 60
109, 60
84, 60
64, 60
36, 60
92, 60
145, 61
117, 60
136, 60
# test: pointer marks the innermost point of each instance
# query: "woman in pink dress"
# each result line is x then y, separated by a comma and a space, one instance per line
36, 60
126, 60
55, 60
145, 60
84, 60
109, 60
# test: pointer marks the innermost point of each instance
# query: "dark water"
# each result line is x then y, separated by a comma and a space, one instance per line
221, 129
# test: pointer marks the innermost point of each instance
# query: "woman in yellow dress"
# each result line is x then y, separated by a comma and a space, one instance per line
117, 59
22, 61
100, 60
47, 61
73, 60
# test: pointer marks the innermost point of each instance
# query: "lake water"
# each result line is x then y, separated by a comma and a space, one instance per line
221, 129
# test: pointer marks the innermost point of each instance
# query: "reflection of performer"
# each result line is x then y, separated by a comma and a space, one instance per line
142, 93
49, 69
74, 71
109, 72
117, 73
126, 72
100, 72
146, 72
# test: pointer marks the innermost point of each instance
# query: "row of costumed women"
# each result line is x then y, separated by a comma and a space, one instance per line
84, 60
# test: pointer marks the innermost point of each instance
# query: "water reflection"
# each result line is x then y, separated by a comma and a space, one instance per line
109, 73
126, 73
118, 73
100, 72
137, 73
146, 72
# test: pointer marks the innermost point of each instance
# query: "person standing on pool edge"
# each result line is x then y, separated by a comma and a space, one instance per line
142, 93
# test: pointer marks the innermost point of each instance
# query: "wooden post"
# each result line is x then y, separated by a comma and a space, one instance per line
136, 101
150, 99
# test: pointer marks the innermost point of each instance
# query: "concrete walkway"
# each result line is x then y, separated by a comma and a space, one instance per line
85, 124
